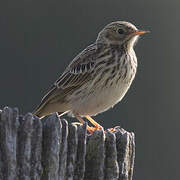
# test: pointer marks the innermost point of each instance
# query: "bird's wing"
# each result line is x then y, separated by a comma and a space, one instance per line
79, 69
76, 74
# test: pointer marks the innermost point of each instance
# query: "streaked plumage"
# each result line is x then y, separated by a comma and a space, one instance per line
98, 77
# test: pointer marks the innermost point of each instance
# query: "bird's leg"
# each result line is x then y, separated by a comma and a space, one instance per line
90, 129
79, 118
114, 129
98, 126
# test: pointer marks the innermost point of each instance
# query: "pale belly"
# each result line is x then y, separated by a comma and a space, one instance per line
93, 100
100, 100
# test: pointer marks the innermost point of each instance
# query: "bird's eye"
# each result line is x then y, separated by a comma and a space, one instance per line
120, 31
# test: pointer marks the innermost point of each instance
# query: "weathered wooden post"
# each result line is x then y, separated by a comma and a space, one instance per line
52, 149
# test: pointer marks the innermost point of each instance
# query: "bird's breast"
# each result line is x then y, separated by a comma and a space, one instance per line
105, 91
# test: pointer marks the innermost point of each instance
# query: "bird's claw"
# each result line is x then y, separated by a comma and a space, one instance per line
91, 130
112, 130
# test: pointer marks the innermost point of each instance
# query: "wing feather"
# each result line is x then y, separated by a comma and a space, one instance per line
76, 74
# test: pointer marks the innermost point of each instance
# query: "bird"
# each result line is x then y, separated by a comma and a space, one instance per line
97, 78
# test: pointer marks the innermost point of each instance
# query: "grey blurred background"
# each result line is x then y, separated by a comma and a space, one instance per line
38, 39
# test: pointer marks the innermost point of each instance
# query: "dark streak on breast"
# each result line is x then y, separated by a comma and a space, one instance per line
102, 74
118, 77
125, 74
113, 71
110, 61
110, 78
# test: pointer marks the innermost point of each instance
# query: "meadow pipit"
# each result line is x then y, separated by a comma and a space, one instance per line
96, 79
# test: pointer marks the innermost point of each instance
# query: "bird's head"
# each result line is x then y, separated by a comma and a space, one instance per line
120, 33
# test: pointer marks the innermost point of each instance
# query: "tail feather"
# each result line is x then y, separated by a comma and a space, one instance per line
48, 105
38, 113
43, 110
41, 115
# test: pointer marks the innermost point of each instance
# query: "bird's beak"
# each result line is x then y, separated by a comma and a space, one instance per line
139, 32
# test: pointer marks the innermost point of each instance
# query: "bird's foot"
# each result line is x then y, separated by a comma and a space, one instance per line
112, 130
91, 130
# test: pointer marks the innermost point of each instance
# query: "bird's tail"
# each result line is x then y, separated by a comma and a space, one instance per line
41, 112
42, 109
38, 113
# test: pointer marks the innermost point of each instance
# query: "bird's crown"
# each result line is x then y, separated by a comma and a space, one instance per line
119, 33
